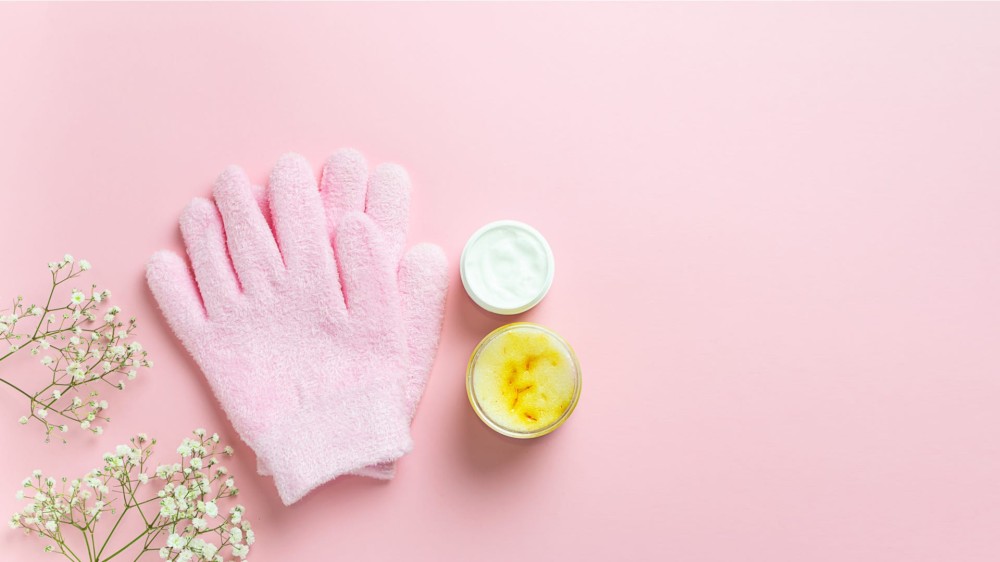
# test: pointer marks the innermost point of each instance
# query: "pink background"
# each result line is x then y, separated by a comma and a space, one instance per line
776, 230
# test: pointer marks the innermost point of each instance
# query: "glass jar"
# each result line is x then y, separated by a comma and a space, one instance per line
523, 380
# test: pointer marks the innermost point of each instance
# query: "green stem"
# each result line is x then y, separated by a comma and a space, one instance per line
87, 543
12, 385
130, 543
120, 517
66, 550
41, 318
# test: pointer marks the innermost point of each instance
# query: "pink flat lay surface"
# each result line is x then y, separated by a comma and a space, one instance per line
776, 229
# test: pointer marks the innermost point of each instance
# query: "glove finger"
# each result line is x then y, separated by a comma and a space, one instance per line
249, 238
388, 205
205, 240
299, 221
423, 286
260, 195
367, 273
343, 185
176, 293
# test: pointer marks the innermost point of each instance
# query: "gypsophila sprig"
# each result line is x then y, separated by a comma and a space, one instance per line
180, 508
84, 344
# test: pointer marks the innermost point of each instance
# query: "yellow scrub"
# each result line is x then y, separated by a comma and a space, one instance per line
524, 378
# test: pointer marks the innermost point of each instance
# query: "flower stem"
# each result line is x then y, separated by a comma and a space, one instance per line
12, 385
130, 543
48, 303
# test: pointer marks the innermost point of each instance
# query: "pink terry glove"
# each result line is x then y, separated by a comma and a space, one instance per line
346, 187
308, 355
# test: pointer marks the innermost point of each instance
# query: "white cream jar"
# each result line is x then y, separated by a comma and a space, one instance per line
507, 267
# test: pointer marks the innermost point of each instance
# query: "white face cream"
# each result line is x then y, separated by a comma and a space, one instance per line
507, 267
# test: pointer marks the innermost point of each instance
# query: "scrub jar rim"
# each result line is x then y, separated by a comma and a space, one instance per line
549, 262
469, 382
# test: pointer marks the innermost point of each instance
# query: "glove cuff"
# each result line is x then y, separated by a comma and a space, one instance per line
352, 434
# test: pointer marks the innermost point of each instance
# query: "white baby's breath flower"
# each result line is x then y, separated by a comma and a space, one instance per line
211, 509
44, 344
51, 526
97, 296
84, 265
208, 551
176, 541
168, 507
57, 394
23, 420
199, 523
42, 413
241, 551
77, 298
164, 552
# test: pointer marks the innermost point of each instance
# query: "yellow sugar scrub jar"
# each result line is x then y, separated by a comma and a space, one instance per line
523, 380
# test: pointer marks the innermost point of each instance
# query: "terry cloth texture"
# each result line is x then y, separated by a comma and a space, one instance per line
317, 352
